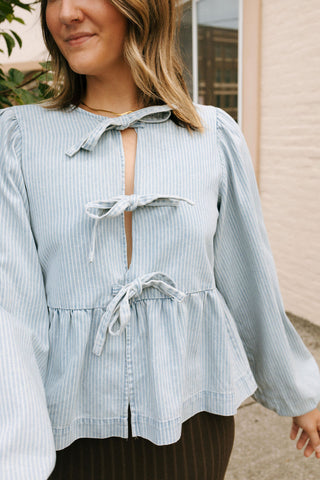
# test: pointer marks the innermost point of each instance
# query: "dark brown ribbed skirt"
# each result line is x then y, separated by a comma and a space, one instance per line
201, 453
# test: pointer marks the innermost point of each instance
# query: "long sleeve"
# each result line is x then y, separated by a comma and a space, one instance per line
26, 440
286, 374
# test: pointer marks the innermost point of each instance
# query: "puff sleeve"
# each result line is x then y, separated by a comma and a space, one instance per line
26, 440
286, 374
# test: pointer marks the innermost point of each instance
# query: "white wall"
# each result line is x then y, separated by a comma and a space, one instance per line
290, 148
33, 48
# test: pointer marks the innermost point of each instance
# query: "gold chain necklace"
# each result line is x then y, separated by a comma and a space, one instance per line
107, 111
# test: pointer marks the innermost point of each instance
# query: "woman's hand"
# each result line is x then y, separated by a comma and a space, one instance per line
310, 435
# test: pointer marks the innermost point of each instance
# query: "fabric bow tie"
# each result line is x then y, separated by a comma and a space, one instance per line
118, 309
156, 114
117, 205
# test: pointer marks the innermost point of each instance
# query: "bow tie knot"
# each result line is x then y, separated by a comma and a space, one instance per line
136, 119
117, 205
136, 286
118, 310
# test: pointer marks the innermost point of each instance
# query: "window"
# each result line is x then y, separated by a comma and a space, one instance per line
216, 71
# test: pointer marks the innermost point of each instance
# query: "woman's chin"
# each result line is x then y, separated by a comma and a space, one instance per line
80, 64
80, 69
86, 69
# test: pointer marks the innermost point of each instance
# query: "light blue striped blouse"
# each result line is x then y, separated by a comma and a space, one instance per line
196, 323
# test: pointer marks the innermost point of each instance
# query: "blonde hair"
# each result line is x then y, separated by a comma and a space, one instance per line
151, 52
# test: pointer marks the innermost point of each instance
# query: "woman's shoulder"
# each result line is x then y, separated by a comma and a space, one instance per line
207, 113
38, 121
35, 113
215, 114
30, 111
7, 115
20, 110
30, 116
229, 139
9, 125
217, 119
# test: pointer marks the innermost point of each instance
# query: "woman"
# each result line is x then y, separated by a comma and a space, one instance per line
139, 300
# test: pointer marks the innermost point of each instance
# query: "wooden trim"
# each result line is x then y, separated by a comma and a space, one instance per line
251, 78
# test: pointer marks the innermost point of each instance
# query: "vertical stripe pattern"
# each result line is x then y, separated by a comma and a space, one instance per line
196, 323
202, 453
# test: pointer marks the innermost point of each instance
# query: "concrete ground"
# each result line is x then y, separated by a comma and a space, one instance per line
263, 449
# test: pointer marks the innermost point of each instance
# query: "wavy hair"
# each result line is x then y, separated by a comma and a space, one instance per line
150, 49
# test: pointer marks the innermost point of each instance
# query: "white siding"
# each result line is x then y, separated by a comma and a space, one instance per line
290, 148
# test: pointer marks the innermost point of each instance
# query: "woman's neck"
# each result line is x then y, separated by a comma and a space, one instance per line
116, 92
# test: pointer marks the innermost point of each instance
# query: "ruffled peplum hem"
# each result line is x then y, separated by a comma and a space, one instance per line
199, 365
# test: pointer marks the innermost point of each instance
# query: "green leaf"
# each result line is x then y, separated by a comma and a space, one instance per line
4, 101
25, 6
15, 76
8, 84
46, 65
26, 97
16, 36
9, 41
5, 9
18, 19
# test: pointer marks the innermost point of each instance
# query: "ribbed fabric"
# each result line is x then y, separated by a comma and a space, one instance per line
202, 453
195, 324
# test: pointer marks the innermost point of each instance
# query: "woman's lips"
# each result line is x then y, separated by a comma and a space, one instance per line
76, 40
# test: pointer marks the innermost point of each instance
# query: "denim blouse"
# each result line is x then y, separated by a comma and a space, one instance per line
196, 323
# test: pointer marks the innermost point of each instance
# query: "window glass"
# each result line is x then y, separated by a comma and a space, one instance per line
218, 53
